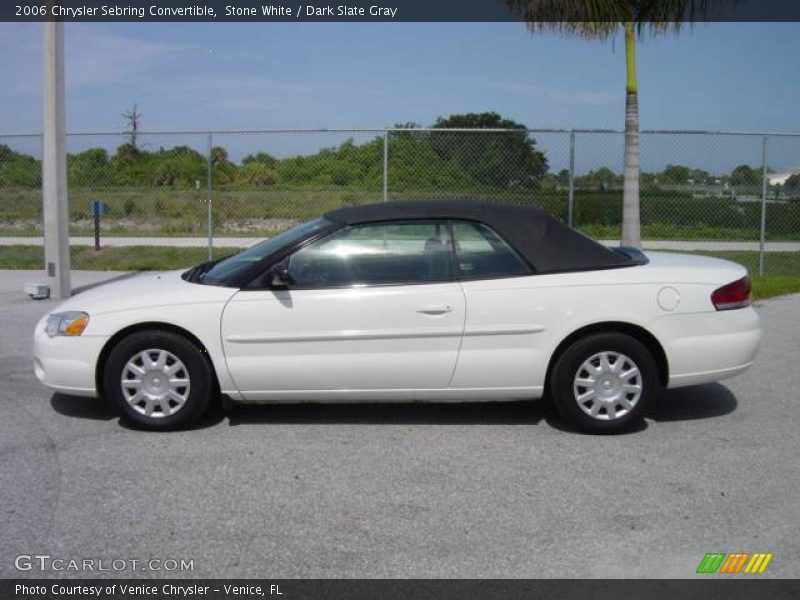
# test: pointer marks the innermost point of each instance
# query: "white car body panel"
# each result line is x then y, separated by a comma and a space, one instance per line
557, 305
370, 343
368, 338
68, 365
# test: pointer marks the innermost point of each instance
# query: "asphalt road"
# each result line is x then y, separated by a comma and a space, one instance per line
473, 490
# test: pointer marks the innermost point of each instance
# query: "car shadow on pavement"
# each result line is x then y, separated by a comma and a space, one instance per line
692, 403
95, 409
685, 404
406, 413
99, 409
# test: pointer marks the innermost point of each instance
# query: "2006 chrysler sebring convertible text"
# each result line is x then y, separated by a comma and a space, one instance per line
438, 301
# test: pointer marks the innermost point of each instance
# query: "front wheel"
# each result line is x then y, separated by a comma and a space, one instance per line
158, 380
603, 383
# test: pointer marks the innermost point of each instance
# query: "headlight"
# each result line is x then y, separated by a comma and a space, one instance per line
67, 323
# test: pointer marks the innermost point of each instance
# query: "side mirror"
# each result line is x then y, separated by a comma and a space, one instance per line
279, 275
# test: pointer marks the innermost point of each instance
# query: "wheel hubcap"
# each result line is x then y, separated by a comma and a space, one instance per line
155, 383
607, 386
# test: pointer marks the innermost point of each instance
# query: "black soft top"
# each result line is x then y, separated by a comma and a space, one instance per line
544, 241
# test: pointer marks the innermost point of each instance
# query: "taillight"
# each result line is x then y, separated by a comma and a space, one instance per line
733, 295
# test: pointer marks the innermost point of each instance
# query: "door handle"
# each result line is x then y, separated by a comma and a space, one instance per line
435, 309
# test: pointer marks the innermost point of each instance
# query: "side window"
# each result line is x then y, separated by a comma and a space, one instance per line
481, 253
375, 254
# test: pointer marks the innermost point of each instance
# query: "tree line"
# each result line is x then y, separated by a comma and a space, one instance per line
420, 159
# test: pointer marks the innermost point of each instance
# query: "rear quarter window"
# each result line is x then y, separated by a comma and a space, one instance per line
482, 254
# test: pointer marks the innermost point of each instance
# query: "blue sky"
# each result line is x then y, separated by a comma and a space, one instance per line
743, 76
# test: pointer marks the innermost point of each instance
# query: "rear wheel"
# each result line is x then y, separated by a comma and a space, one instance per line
603, 383
158, 380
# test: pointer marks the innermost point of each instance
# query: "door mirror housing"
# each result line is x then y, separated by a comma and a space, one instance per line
279, 277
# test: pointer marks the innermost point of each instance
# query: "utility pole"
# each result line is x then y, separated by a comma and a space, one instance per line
54, 164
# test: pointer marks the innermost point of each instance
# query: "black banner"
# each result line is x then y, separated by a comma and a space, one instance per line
407, 589
348, 10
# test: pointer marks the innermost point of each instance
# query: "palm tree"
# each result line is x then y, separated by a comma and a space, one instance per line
602, 19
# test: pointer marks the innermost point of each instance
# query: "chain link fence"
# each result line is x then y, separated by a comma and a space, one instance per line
732, 193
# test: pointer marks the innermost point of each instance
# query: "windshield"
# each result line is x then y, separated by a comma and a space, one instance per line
224, 271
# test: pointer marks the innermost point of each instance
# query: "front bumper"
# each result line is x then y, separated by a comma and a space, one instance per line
66, 364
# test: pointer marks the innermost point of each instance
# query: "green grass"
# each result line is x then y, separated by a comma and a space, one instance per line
185, 228
775, 263
767, 287
783, 267
130, 258
177, 211
692, 233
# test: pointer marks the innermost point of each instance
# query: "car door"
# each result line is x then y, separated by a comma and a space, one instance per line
502, 346
372, 308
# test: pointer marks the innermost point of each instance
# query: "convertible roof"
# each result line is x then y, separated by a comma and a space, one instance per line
545, 242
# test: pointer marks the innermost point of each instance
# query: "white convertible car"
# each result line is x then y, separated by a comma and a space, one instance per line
408, 301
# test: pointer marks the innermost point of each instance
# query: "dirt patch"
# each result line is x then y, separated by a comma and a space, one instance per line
256, 225
21, 225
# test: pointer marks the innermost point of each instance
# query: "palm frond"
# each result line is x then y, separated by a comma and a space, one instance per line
586, 18
600, 19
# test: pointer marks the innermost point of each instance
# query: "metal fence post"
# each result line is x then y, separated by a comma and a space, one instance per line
210, 217
762, 238
385, 165
571, 198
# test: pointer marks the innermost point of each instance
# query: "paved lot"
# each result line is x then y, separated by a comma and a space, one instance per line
475, 490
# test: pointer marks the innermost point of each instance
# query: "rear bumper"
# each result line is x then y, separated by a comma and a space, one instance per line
686, 379
66, 364
706, 347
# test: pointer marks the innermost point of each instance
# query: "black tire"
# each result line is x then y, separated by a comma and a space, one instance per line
196, 396
612, 415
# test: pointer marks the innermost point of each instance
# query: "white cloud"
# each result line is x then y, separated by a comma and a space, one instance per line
96, 56
20, 58
586, 98
247, 95
580, 97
